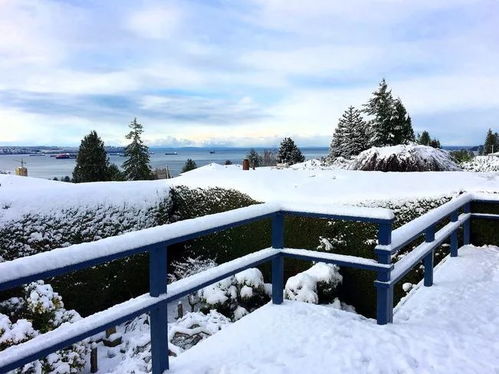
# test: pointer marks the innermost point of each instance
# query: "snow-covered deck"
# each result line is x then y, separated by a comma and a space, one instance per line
448, 328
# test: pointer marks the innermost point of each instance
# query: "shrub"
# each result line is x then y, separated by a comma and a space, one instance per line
38, 311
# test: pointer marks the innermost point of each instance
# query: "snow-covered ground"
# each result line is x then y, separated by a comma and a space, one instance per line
451, 327
329, 185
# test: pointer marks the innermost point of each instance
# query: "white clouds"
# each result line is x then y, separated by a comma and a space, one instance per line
155, 21
258, 70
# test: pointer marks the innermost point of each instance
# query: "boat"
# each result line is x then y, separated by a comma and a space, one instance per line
171, 153
212, 152
63, 156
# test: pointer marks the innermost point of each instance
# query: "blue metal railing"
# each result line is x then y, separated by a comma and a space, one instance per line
156, 240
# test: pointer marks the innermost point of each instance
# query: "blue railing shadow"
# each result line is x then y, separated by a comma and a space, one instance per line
156, 240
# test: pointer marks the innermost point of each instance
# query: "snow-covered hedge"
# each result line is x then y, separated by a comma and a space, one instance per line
40, 310
410, 157
482, 164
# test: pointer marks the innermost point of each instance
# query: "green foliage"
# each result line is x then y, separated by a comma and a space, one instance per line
115, 174
390, 124
254, 158
491, 144
289, 153
350, 136
189, 165
92, 163
462, 155
425, 139
136, 165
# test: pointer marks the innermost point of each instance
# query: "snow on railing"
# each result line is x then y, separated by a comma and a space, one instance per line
155, 241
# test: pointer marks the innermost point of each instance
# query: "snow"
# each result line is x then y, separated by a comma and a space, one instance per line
448, 328
303, 286
329, 186
482, 164
24, 195
410, 157
407, 232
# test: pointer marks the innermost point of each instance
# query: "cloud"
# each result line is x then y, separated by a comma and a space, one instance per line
223, 72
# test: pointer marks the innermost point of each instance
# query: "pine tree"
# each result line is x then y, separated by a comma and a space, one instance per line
490, 145
424, 138
380, 106
254, 158
350, 136
92, 163
136, 166
189, 165
390, 123
289, 153
402, 124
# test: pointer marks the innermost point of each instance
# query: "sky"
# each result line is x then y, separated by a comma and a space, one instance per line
242, 73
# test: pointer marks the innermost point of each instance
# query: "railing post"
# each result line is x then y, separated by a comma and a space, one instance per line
467, 225
428, 259
159, 315
384, 299
453, 237
278, 261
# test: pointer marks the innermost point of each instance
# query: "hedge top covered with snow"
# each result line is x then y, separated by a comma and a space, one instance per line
411, 157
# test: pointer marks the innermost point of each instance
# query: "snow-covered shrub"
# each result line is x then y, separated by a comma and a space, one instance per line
182, 335
410, 157
482, 164
235, 296
40, 310
189, 266
316, 285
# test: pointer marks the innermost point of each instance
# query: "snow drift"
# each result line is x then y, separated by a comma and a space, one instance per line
410, 157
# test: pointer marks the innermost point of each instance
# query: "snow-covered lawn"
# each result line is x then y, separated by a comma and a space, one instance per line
452, 327
305, 183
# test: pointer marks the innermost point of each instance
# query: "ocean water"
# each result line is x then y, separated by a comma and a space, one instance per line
50, 167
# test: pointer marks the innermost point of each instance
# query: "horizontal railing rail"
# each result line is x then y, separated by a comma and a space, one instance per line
156, 240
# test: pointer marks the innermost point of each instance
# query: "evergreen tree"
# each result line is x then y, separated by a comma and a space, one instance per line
402, 124
424, 138
390, 124
490, 145
289, 153
380, 107
115, 174
136, 166
189, 165
350, 136
254, 158
92, 163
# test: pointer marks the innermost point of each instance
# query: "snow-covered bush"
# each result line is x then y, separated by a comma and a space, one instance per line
410, 157
40, 310
235, 296
316, 285
182, 335
482, 164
